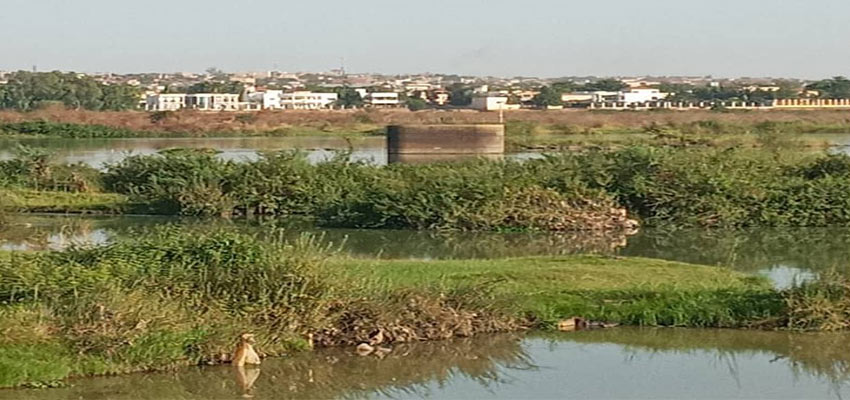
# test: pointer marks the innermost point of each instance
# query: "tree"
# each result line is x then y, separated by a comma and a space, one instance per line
460, 95
28, 90
547, 97
564, 86
216, 87
605, 85
348, 97
835, 88
416, 103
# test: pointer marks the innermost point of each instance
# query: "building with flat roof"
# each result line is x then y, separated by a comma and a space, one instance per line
306, 100
266, 100
383, 99
213, 101
492, 103
165, 102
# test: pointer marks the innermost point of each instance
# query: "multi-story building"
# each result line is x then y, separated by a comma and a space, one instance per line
165, 102
213, 101
383, 99
305, 100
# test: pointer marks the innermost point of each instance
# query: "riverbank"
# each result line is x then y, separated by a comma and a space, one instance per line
171, 298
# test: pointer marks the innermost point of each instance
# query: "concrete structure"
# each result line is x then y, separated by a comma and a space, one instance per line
213, 101
810, 103
305, 100
165, 102
780, 104
382, 100
409, 140
492, 103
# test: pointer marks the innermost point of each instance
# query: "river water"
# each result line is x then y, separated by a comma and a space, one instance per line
100, 152
622, 363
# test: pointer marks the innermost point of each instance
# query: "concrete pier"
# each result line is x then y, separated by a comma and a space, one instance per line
445, 140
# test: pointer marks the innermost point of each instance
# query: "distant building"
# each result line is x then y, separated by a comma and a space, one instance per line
165, 102
492, 103
590, 97
306, 100
641, 95
213, 101
383, 100
439, 97
266, 100
762, 88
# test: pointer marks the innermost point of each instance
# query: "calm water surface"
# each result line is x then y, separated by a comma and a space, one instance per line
100, 152
784, 255
621, 363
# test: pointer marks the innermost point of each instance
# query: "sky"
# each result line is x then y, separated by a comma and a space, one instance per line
545, 38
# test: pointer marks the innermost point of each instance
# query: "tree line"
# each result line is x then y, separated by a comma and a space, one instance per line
30, 90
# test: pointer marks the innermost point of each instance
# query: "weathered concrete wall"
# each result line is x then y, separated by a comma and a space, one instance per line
397, 158
445, 139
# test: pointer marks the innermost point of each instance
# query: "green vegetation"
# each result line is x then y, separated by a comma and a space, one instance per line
24, 200
566, 192
31, 90
43, 128
704, 133
66, 130
631, 291
169, 298
835, 88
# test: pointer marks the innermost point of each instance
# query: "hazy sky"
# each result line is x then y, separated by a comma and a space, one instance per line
786, 38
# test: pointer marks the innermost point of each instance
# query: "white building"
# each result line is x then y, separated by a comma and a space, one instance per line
492, 103
641, 95
165, 102
305, 100
266, 100
383, 99
213, 101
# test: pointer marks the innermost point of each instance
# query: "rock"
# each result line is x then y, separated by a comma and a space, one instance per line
572, 324
244, 353
364, 349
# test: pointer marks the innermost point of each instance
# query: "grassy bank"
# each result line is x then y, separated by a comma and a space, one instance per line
170, 298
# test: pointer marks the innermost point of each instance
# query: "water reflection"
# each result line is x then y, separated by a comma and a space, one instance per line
101, 152
617, 363
785, 255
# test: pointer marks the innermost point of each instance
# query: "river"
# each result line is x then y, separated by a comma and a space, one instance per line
622, 363
101, 152
615, 363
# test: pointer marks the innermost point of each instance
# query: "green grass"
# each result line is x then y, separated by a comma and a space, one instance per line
171, 298
625, 290
28, 200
